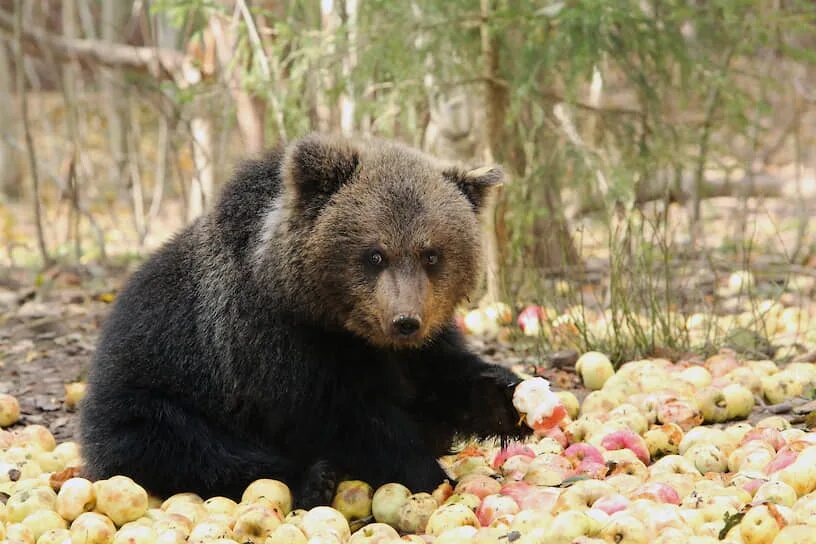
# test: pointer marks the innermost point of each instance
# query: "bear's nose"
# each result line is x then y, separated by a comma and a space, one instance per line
405, 325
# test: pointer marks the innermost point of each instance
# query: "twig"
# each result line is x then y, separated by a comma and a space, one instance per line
162, 63
32, 158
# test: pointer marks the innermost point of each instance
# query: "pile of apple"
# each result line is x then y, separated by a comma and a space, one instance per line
631, 464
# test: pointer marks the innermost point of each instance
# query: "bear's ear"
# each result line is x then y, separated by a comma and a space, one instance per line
317, 166
475, 183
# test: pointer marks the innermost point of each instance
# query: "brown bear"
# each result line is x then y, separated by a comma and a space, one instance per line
302, 331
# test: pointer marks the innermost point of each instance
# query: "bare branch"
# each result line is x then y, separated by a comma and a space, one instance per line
160, 63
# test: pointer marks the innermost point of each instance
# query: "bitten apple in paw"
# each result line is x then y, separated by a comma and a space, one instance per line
541, 408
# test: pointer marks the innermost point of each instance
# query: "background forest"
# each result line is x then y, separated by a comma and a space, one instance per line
660, 154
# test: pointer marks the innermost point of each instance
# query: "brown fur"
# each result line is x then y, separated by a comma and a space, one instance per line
346, 198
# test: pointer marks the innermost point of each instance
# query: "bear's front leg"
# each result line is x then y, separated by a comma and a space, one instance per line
474, 396
317, 486
381, 443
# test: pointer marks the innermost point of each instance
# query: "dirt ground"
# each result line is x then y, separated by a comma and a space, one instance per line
47, 338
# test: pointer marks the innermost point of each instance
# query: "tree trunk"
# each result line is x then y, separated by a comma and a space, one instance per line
114, 90
10, 179
202, 190
250, 110
70, 72
347, 99
330, 22
495, 105
19, 60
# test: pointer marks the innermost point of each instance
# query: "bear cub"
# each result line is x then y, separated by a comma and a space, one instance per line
302, 331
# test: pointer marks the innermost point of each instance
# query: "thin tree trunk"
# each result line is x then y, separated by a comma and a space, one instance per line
495, 103
9, 167
250, 110
347, 99
70, 72
114, 91
330, 22
19, 61
203, 185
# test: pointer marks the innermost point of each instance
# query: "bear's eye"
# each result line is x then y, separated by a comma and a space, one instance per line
376, 258
430, 257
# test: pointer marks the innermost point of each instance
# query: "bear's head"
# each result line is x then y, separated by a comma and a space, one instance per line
383, 240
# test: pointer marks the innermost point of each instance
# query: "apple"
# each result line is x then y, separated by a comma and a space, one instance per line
567, 526
707, 458
499, 313
739, 401
24, 502
223, 505
415, 512
9, 410
713, 405
542, 409
570, 402
768, 435
274, 490
171, 536
69, 452
35, 436
135, 534
776, 492
176, 522
763, 522
512, 450
479, 323
92, 528
479, 485
286, 533
530, 320
256, 523
450, 516
19, 533
698, 376
628, 440
657, 492
683, 412
207, 531
41, 521
793, 534
121, 499
374, 533
782, 386
468, 499
527, 520
55, 536
75, 497
583, 494
193, 511
663, 440
594, 368
495, 506
611, 503
548, 470
353, 499
747, 378
530, 497
457, 535
74, 393
601, 402
624, 528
